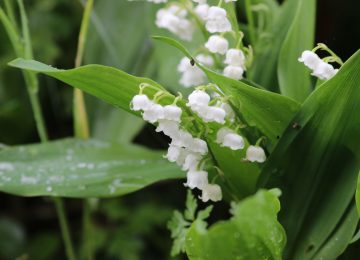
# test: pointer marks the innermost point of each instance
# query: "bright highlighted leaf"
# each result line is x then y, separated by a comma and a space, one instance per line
294, 77
252, 233
316, 164
81, 169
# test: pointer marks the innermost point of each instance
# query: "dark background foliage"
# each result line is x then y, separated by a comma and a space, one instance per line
134, 226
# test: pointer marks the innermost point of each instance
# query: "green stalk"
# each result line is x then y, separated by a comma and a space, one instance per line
10, 11
12, 33
64, 228
87, 231
81, 125
251, 23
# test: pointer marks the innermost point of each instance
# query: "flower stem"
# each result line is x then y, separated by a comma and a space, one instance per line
81, 125
251, 23
64, 228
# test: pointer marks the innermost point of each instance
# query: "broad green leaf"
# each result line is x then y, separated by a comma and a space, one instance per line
267, 48
294, 77
109, 84
252, 233
269, 112
81, 169
316, 163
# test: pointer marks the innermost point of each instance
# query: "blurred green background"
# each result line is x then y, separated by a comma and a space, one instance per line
133, 226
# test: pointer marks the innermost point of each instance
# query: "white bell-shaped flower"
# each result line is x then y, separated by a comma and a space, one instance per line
310, 59
176, 154
217, 44
234, 72
213, 114
198, 146
324, 71
172, 112
173, 153
140, 102
197, 179
255, 154
182, 139
211, 192
198, 99
168, 127
221, 133
234, 141
191, 162
235, 57
229, 1
217, 21
228, 138
202, 11
153, 113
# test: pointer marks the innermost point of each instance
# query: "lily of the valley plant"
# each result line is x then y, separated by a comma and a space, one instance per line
263, 119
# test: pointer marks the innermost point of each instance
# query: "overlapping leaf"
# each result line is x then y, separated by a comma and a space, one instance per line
316, 164
81, 169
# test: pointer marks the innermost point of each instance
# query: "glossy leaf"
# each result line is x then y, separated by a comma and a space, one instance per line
252, 233
294, 77
109, 84
316, 164
268, 111
81, 169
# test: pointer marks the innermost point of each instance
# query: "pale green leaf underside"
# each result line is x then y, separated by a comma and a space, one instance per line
81, 169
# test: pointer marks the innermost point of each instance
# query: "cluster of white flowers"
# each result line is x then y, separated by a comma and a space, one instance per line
174, 19
320, 68
188, 151
185, 150
199, 101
